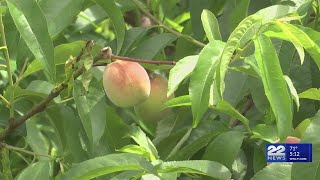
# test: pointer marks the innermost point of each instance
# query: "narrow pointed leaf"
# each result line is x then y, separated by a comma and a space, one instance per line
225, 107
202, 78
36, 171
60, 15
231, 45
204, 167
210, 25
149, 48
312, 93
225, 148
180, 71
293, 91
116, 17
293, 37
32, 25
300, 37
274, 171
274, 84
108, 164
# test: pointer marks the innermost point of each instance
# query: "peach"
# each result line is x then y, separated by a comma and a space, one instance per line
290, 140
150, 110
126, 83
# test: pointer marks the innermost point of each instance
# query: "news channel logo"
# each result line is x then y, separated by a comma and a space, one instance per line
289, 152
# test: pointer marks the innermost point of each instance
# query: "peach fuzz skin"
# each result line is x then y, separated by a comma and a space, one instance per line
126, 83
150, 109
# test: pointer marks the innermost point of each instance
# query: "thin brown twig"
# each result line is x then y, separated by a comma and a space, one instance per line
107, 54
248, 105
123, 58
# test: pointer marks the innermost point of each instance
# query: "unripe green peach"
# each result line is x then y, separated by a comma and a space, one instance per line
150, 110
126, 83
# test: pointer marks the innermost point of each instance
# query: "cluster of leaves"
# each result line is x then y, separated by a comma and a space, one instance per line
242, 79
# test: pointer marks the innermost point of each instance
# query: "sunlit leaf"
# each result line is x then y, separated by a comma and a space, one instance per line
274, 84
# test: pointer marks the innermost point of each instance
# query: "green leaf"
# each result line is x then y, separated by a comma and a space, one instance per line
127, 175
274, 84
108, 164
312, 93
178, 101
31, 23
225, 153
259, 158
275, 12
180, 71
36, 140
239, 166
309, 170
311, 135
238, 13
67, 125
293, 37
132, 37
91, 108
116, 17
201, 79
21, 93
231, 45
196, 8
208, 168
199, 138
62, 53
141, 138
116, 129
274, 171
225, 107
300, 38
135, 149
210, 25
265, 132
293, 91
60, 15
36, 171
149, 48
301, 128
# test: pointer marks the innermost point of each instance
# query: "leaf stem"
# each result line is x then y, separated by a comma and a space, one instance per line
5, 101
166, 27
180, 143
24, 151
3, 66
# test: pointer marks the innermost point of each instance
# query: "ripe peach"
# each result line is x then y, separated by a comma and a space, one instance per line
126, 83
150, 110
290, 140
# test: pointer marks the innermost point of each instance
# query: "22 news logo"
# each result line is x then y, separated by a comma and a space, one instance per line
301, 152
276, 153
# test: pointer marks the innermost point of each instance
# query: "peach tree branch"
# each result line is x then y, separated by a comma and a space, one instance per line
42, 105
